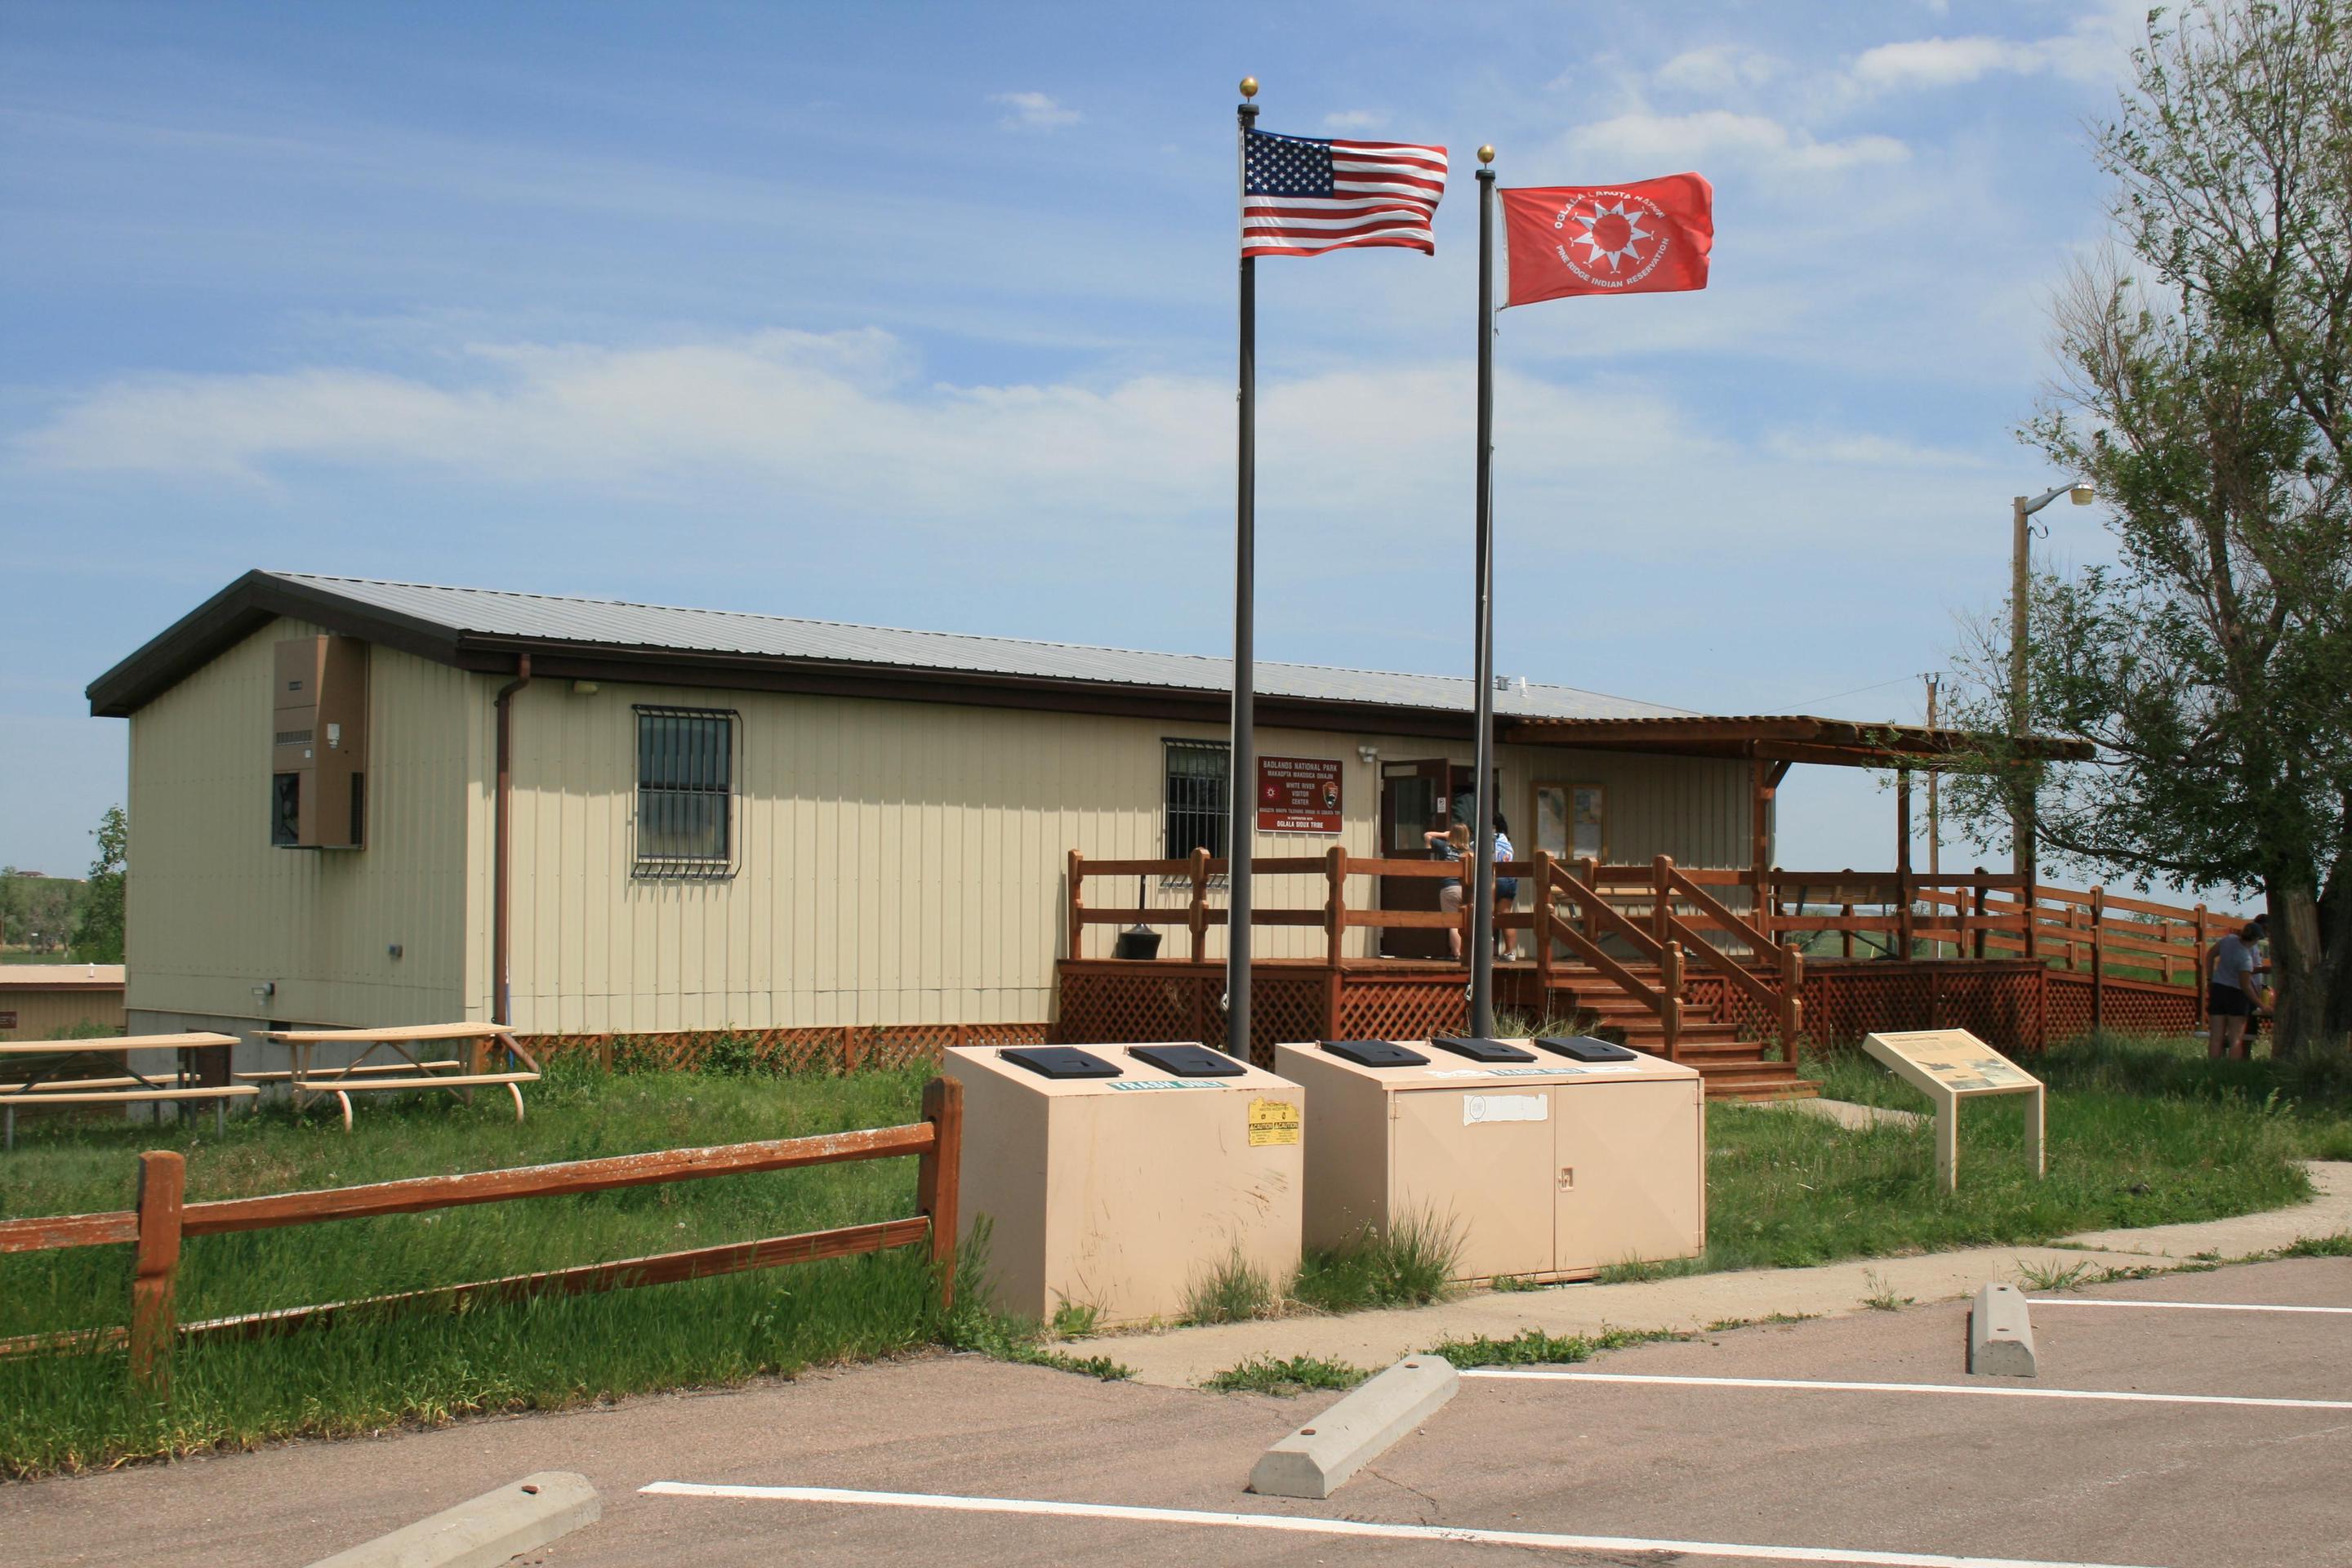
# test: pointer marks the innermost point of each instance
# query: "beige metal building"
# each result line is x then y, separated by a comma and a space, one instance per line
51, 1001
363, 803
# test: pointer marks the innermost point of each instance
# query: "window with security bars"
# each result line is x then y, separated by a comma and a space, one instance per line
1199, 787
686, 779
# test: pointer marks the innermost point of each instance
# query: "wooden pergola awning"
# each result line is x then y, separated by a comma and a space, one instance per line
1764, 736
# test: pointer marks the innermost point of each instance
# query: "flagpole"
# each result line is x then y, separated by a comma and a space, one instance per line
1242, 795
1482, 877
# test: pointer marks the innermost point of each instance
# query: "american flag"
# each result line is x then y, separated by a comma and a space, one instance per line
1302, 197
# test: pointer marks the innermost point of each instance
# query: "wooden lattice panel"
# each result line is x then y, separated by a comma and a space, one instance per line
831, 1049
1381, 1008
2129, 1007
1999, 1003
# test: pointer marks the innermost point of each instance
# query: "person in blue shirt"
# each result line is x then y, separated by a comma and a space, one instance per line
1507, 891
2230, 994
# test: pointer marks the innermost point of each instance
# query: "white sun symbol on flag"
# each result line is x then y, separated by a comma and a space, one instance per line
1615, 241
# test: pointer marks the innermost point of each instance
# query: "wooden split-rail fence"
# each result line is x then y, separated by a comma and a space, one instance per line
163, 1218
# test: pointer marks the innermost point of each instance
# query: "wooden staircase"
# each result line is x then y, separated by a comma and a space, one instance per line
1640, 988
1732, 1068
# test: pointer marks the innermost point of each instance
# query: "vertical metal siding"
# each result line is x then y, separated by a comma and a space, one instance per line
215, 911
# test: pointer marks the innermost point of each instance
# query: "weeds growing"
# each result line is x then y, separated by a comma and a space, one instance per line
1409, 1265
1299, 1374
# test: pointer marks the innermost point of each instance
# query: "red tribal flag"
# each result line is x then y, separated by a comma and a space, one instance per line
1649, 237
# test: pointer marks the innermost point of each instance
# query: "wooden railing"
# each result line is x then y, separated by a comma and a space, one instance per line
163, 1218
1784, 1000
1985, 915
1573, 912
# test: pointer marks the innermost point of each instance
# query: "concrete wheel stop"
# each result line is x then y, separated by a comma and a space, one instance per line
1315, 1459
484, 1532
2000, 1334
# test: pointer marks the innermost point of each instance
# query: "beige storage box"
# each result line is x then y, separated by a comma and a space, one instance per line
1551, 1159
1123, 1187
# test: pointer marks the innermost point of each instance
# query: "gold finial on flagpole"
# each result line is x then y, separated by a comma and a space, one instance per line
1249, 87
1486, 153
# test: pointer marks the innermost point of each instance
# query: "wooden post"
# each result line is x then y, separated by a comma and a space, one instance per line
1543, 933
1980, 902
1759, 846
939, 1178
1662, 905
2197, 982
1793, 1001
1077, 900
1200, 909
1591, 867
1670, 979
1335, 902
1902, 891
2099, 959
154, 1320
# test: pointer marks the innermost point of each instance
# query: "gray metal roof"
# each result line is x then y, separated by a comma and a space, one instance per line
616, 623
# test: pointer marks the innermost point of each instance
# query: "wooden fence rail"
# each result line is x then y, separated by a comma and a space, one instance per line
163, 1218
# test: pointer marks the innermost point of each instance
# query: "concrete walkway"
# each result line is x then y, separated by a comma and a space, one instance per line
1179, 1358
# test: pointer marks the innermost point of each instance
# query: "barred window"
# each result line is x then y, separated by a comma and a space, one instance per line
685, 778
1200, 778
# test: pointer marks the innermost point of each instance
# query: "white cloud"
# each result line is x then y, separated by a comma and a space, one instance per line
1354, 120
1662, 144
1717, 68
1033, 111
1853, 449
845, 426
2094, 49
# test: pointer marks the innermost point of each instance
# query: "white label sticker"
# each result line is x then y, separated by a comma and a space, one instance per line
1477, 1109
1133, 1084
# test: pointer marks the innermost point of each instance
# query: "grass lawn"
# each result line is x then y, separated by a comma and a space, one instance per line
2139, 1134
72, 1411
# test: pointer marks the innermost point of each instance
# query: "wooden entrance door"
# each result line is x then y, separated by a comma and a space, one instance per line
1415, 798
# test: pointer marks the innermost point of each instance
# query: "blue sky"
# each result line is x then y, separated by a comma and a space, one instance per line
923, 315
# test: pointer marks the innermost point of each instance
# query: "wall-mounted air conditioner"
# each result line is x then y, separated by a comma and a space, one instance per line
318, 758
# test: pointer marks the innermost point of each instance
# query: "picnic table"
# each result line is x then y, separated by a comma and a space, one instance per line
99, 1072
307, 1080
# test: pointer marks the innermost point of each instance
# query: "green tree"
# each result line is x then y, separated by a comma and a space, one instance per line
98, 935
2207, 375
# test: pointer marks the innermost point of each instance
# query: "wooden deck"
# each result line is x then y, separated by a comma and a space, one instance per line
1666, 958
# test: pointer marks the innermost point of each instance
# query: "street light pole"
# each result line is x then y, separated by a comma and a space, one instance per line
2022, 812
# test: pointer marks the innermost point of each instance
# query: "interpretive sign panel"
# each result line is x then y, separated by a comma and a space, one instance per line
1298, 794
1951, 1064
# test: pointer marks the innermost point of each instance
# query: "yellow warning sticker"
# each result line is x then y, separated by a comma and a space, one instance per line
1273, 1121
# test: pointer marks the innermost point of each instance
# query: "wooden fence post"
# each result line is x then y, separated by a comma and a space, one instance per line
2197, 983
2099, 959
1198, 916
1078, 901
1980, 901
938, 1178
1591, 867
1662, 906
1335, 902
154, 1320
1792, 1001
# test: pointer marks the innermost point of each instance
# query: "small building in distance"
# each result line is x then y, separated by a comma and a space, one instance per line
51, 1001
363, 803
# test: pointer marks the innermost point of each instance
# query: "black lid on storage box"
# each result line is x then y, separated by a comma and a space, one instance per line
1481, 1050
1060, 1061
1375, 1053
1585, 1048
1189, 1061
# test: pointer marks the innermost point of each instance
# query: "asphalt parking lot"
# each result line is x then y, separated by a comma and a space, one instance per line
1720, 1470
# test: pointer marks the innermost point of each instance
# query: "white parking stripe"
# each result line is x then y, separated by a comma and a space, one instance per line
1967, 1388
1299, 1524
2177, 1306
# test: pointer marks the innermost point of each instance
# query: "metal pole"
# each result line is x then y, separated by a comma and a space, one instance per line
1242, 795
1482, 876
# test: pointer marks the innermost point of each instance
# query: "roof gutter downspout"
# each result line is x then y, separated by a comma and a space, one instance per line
501, 850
